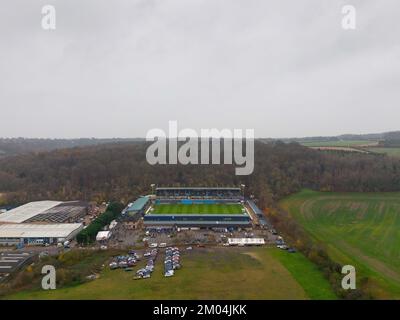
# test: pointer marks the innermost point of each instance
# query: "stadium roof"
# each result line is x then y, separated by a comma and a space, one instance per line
38, 230
27, 211
261, 218
138, 204
254, 207
197, 188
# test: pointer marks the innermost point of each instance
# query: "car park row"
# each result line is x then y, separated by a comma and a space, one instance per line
145, 273
171, 261
125, 262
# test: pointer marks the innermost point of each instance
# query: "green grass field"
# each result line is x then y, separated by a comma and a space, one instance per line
212, 273
197, 209
340, 143
361, 229
391, 152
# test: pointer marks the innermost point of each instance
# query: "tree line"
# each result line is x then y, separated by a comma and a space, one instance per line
119, 171
88, 235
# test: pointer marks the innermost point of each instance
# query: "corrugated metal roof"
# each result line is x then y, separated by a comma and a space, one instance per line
25, 230
138, 204
27, 211
254, 207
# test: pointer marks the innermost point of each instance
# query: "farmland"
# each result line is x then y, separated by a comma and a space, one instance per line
361, 229
197, 209
391, 152
360, 146
213, 273
340, 143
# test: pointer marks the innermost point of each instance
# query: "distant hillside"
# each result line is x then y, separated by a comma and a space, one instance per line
393, 135
17, 146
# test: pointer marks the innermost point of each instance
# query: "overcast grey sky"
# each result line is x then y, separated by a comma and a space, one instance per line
119, 68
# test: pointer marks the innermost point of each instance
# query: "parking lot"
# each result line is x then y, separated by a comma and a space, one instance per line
141, 238
13, 261
142, 262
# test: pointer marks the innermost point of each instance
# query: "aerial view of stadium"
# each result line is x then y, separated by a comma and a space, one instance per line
200, 158
202, 207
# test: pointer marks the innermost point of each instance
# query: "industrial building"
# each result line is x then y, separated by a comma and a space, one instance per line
37, 234
66, 212
46, 211
42, 222
27, 211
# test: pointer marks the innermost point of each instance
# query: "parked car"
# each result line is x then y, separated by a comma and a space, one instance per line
283, 247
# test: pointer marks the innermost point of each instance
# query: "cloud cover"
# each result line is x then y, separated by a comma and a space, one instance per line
119, 68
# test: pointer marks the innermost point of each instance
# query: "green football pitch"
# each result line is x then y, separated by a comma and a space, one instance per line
197, 209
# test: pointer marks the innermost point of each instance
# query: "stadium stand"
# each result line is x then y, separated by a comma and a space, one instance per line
260, 215
199, 193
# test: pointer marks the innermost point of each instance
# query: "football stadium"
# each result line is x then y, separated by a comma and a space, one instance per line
198, 207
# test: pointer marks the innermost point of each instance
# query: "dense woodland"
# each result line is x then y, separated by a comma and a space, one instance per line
119, 171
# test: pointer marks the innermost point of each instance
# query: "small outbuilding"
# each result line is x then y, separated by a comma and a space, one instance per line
103, 235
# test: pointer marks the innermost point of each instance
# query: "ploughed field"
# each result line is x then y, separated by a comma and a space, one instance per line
361, 229
197, 209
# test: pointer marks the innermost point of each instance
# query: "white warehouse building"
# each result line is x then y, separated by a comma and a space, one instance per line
27, 211
37, 234
41, 222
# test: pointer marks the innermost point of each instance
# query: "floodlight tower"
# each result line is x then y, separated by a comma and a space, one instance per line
152, 188
242, 186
